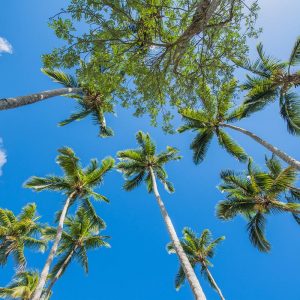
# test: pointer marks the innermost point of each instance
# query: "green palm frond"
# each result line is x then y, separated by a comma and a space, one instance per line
273, 165
48, 183
134, 182
200, 144
77, 116
180, 278
295, 54
231, 146
256, 228
68, 161
283, 180
61, 77
290, 111
225, 96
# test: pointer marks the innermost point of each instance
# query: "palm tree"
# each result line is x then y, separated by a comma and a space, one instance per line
198, 250
77, 183
89, 103
22, 286
217, 113
19, 232
256, 194
144, 165
81, 234
273, 79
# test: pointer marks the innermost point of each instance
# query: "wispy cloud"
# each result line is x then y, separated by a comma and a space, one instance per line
5, 46
3, 159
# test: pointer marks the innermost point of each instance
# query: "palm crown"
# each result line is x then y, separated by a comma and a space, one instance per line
18, 232
89, 103
136, 164
78, 181
273, 79
22, 286
207, 122
198, 250
80, 235
257, 194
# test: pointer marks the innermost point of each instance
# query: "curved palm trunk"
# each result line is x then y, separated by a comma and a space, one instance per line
188, 270
59, 273
9, 103
214, 284
45, 272
285, 157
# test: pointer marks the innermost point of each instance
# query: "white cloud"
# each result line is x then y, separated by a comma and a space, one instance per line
2, 157
5, 46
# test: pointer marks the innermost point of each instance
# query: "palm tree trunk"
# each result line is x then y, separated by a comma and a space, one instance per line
188, 270
45, 272
9, 103
214, 284
59, 272
285, 157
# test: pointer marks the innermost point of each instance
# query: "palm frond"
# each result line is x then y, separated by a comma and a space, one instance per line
200, 144
290, 111
256, 228
295, 54
231, 146
61, 78
77, 116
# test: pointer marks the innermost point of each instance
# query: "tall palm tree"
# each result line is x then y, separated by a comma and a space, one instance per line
19, 232
198, 250
89, 103
77, 183
81, 235
271, 80
144, 165
22, 286
256, 194
218, 112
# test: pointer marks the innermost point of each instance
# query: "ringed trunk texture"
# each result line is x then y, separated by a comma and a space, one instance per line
9, 103
45, 272
212, 280
188, 270
59, 272
285, 157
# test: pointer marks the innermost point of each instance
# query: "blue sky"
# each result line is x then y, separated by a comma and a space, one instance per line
137, 266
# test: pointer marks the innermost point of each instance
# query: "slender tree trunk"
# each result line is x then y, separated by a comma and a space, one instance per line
9, 103
285, 157
59, 272
188, 270
213, 282
45, 272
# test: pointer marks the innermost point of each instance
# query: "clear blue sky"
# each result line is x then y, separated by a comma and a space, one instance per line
137, 266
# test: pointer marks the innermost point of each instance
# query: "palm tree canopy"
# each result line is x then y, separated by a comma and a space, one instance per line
255, 194
22, 286
89, 104
217, 108
77, 180
80, 235
198, 250
271, 80
136, 164
19, 232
